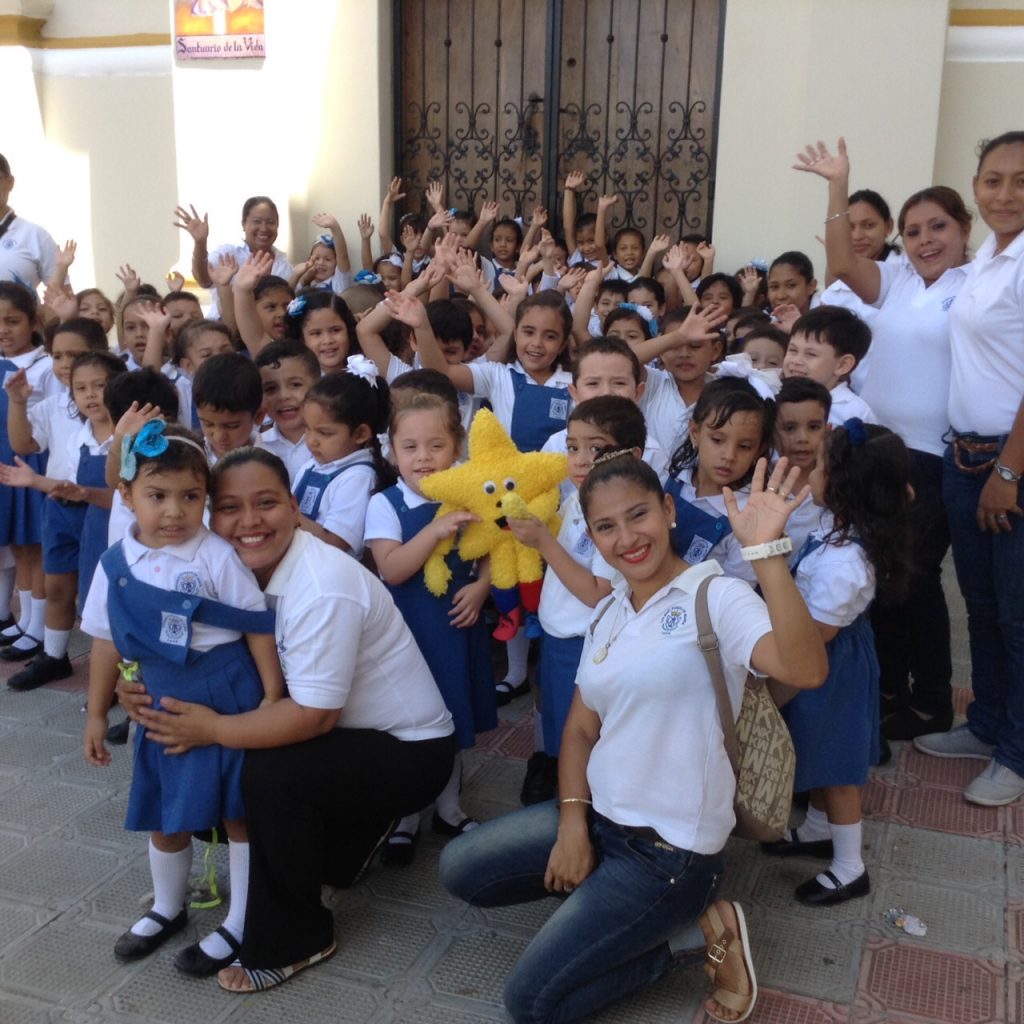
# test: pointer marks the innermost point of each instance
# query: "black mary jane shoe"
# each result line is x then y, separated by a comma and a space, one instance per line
6, 639
791, 846
814, 894
443, 828
196, 961
134, 947
400, 849
12, 653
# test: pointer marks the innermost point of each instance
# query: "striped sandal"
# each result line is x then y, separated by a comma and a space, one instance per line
727, 944
256, 979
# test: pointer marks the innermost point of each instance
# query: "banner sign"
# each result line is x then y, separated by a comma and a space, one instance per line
217, 29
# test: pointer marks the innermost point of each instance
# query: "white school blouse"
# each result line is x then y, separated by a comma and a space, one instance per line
382, 522
667, 415
344, 644
206, 565
28, 254
55, 423
837, 582
987, 337
343, 505
660, 760
294, 454
561, 613
907, 383
38, 367
727, 552
493, 381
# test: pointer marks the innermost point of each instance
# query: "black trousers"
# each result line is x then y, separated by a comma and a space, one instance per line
314, 811
912, 636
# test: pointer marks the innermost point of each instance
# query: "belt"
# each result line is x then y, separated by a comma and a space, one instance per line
973, 445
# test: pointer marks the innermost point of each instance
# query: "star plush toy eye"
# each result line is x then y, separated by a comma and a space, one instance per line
497, 483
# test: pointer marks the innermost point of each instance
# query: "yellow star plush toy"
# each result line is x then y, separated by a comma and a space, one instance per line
496, 483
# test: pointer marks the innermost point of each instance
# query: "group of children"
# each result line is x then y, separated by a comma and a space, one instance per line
364, 385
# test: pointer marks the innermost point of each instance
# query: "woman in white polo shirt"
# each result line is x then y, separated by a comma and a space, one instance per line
907, 387
362, 739
646, 789
982, 479
28, 255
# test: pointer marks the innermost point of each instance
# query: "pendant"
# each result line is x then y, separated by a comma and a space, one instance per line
600, 654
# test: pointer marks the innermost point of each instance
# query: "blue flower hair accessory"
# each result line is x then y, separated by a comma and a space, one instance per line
360, 366
855, 431
368, 277
296, 306
150, 441
325, 240
644, 313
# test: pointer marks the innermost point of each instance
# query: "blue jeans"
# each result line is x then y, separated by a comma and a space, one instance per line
990, 571
609, 937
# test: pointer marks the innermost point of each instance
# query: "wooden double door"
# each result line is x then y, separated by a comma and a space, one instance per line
500, 99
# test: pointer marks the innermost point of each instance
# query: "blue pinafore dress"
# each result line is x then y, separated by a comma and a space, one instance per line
458, 659
92, 472
195, 790
21, 508
835, 728
312, 485
538, 411
696, 532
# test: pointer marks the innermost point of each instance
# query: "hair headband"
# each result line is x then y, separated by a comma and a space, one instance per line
150, 441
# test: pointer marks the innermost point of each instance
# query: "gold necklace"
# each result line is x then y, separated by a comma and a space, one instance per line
602, 652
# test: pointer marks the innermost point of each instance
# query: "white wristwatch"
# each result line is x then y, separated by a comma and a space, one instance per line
1007, 474
769, 549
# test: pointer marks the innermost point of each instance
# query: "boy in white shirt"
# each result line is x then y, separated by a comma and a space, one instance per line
826, 344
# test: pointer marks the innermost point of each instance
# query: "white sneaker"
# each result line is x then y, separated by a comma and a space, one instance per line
958, 742
995, 786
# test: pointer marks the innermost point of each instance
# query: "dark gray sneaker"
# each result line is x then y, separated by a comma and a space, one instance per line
42, 669
958, 742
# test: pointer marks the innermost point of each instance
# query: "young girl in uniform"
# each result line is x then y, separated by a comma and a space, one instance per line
863, 478
21, 509
324, 324
174, 601
426, 437
53, 425
344, 413
730, 430
791, 287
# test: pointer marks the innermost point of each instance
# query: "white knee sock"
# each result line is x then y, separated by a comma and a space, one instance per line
170, 884
6, 590
447, 804
411, 824
814, 827
24, 610
518, 649
847, 864
238, 874
35, 627
55, 641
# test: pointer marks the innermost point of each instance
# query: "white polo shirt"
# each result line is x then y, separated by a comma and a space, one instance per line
493, 381
344, 644
667, 415
343, 505
242, 253
907, 383
987, 335
38, 367
846, 405
837, 582
55, 422
561, 613
28, 254
660, 761
727, 552
205, 565
294, 454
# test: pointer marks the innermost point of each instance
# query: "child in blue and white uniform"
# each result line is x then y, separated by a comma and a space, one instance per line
327, 268
863, 478
426, 437
172, 601
344, 413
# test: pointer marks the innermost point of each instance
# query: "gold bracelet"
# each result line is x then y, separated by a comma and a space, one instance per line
836, 216
575, 800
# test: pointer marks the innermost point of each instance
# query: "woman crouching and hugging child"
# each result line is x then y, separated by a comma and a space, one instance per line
174, 601
863, 545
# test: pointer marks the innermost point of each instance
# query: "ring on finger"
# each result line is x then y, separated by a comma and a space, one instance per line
772, 490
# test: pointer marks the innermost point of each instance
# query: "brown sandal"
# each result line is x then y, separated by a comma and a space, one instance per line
726, 944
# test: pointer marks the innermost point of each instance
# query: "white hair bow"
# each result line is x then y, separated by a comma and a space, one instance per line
360, 366
765, 382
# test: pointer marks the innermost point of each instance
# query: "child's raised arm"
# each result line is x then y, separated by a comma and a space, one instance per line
330, 223
411, 241
365, 248
249, 327
468, 279
411, 312
156, 341
604, 204
573, 181
482, 228
371, 340
706, 252
538, 221
199, 228
578, 580
263, 648
130, 423
393, 194
699, 325
397, 562
65, 257
659, 244
221, 276
674, 262
586, 299
19, 429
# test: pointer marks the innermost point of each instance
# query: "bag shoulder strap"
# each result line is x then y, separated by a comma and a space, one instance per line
707, 640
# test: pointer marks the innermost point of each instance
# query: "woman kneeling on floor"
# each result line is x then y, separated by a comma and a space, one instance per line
635, 842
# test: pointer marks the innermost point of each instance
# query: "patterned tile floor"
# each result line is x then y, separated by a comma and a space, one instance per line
71, 880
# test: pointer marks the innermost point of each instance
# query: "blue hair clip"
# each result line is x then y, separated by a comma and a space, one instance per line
325, 240
296, 306
149, 441
632, 306
368, 277
645, 314
855, 431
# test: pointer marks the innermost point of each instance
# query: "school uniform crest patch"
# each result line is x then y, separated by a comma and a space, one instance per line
173, 629
673, 619
188, 582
